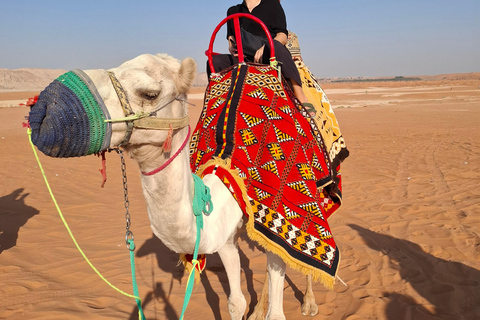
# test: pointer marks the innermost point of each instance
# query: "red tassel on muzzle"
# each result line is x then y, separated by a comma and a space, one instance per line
167, 145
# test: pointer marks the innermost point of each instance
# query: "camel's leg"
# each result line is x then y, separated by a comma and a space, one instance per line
261, 307
276, 274
309, 306
231, 261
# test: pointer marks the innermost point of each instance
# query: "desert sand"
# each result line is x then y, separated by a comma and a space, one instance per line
408, 231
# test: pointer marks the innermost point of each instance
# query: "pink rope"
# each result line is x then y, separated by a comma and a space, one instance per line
163, 166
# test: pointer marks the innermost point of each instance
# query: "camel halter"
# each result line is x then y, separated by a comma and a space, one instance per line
141, 119
147, 120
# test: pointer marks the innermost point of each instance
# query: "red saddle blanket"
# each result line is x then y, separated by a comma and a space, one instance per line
270, 154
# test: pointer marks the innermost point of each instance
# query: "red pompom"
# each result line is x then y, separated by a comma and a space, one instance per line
32, 101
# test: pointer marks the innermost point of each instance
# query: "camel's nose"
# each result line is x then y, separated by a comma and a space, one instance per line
67, 120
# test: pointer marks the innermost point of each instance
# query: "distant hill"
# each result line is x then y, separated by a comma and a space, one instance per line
37, 79
451, 76
201, 81
27, 79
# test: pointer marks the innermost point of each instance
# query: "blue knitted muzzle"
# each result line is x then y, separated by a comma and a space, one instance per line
68, 119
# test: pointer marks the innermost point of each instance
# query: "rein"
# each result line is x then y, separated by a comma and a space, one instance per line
128, 236
202, 205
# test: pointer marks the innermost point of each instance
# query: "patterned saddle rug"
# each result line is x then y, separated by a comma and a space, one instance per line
272, 156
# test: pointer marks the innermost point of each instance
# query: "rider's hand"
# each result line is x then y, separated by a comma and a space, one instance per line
232, 47
259, 55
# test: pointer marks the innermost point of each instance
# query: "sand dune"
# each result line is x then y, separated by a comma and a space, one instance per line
409, 230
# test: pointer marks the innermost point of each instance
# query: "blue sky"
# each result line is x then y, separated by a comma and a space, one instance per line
344, 38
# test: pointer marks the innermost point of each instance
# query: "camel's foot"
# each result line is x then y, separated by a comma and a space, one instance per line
258, 313
237, 306
309, 306
262, 304
276, 317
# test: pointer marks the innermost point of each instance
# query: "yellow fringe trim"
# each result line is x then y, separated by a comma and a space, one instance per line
317, 275
239, 181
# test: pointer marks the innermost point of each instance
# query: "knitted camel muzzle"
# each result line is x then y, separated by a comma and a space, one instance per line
68, 119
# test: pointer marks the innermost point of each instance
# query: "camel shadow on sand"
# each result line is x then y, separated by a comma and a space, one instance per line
167, 262
452, 289
14, 214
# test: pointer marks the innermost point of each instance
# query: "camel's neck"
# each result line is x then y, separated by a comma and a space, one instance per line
169, 193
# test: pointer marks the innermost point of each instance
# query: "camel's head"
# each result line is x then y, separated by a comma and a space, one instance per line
80, 113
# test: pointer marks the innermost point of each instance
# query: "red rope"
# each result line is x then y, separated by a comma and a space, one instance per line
103, 170
163, 166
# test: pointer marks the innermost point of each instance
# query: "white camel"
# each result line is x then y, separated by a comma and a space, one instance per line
151, 81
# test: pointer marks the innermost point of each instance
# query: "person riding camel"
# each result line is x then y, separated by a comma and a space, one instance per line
255, 46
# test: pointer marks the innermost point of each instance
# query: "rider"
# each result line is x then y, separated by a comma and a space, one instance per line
272, 15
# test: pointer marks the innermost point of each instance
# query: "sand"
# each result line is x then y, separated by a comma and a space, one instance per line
409, 229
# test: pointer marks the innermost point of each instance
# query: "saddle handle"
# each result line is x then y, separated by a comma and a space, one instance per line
236, 23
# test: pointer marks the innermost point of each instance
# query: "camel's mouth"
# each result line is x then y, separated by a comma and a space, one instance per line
68, 119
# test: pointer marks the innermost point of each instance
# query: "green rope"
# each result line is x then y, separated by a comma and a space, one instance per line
202, 203
134, 280
135, 288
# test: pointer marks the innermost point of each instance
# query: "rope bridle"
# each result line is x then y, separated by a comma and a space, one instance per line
147, 120
141, 119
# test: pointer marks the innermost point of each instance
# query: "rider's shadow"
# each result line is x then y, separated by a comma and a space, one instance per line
452, 289
14, 214
215, 265
167, 262
245, 262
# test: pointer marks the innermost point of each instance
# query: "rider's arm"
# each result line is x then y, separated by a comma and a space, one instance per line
281, 37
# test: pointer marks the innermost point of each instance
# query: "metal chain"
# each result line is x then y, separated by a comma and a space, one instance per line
129, 233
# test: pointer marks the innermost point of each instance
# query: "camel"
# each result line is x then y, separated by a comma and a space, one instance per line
150, 81
158, 84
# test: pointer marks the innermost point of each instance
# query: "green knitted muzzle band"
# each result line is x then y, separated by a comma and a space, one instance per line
94, 113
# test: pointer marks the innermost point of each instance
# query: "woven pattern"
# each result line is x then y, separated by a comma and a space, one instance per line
67, 120
276, 165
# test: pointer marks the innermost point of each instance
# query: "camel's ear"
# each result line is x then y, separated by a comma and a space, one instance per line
186, 75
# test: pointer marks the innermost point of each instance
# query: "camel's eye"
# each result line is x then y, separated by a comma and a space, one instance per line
150, 95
